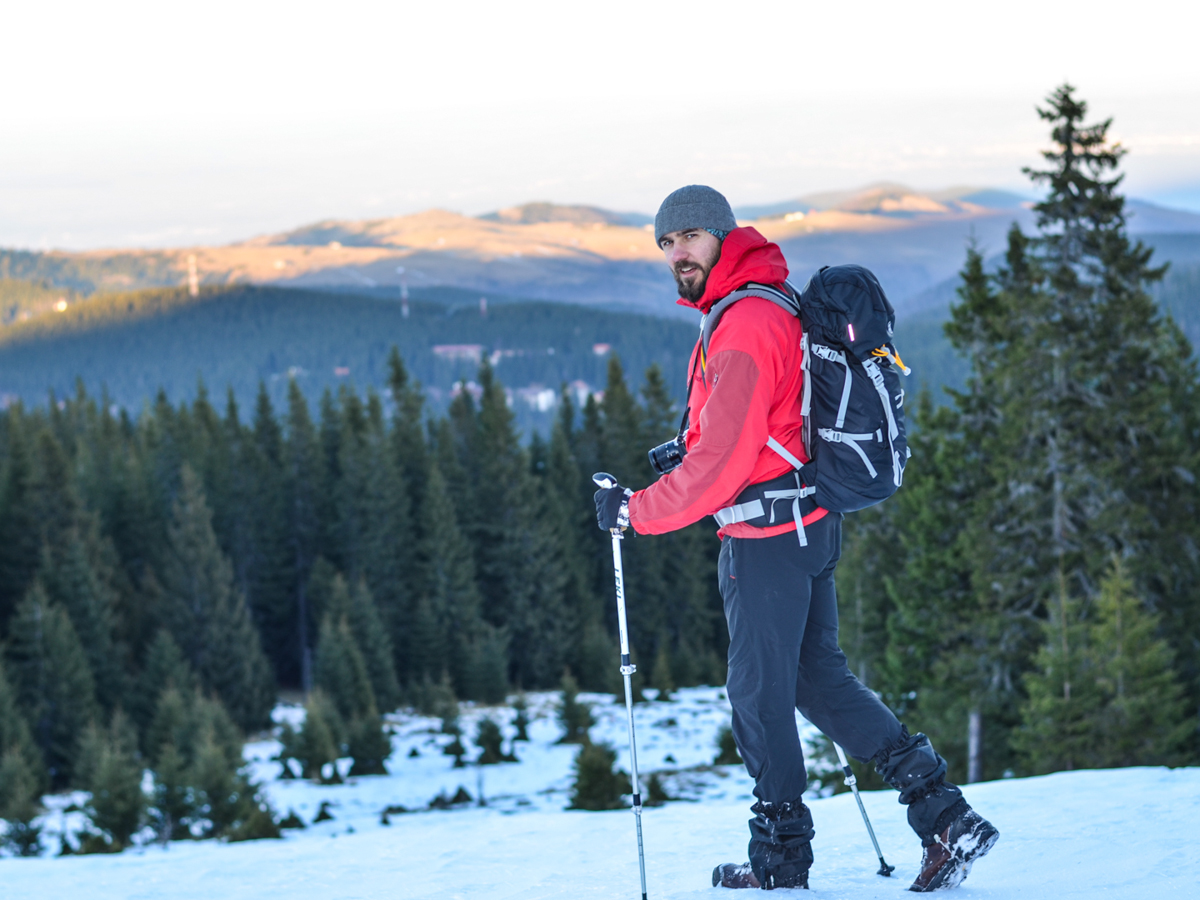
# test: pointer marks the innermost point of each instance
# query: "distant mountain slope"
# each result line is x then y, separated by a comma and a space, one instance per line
536, 213
586, 255
133, 344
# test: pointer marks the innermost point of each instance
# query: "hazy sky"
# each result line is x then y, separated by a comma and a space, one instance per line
164, 124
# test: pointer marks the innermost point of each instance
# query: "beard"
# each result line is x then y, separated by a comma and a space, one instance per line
693, 289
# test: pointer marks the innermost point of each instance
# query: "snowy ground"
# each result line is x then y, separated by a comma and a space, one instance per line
1117, 834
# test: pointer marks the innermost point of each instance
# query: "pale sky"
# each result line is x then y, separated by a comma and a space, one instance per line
165, 124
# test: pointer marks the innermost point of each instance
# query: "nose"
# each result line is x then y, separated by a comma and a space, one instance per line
678, 253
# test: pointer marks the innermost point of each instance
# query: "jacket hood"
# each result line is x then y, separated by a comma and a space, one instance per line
745, 256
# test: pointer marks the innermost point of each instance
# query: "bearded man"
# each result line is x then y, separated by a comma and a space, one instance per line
744, 438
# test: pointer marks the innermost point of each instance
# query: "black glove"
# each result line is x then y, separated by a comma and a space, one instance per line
612, 507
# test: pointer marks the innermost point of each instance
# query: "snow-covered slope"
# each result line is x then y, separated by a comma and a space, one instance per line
1117, 834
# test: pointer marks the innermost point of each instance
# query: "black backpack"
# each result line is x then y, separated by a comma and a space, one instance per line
853, 403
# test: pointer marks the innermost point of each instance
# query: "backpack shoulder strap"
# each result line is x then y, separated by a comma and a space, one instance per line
785, 299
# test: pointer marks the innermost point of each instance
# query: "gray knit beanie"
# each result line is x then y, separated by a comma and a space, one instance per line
694, 206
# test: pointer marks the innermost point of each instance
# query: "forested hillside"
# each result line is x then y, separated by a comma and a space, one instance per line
197, 555
133, 345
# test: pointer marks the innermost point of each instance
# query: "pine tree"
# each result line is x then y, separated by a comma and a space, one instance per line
597, 786
1146, 721
54, 685
112, 771
16, 737
339, 669
164, 668
1073, 440
371, 635
76, 583
574, 716
208, 615
303, 487
19, 805
1104, 692
20, 536
445, 635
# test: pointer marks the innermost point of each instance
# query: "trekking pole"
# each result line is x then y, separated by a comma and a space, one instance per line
604, 480
884, 869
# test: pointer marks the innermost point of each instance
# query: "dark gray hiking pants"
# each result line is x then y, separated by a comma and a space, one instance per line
781, 606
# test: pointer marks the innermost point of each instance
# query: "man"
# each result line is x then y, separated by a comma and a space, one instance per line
778, 591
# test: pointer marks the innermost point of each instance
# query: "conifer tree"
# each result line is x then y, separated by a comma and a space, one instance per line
303, 487
371, 635
112, 771
342, 674
597, 786
573, 715
452, 597
19, 804
1147, 721
164, 669
340, 671
1104, 692
15, 734
20, 536
1073, 440
208, 615
54, 685
385, 580
72, 580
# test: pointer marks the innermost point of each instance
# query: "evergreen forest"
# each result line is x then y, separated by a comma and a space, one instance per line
1030, 598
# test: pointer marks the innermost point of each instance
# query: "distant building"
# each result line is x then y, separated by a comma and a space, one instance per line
471, 352
541, 398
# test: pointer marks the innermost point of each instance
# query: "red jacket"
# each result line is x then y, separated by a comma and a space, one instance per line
749, 390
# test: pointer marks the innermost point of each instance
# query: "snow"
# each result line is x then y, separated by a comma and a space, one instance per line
1115, 834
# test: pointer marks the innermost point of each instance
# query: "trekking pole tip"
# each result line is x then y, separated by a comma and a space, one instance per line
884, 869
604, 480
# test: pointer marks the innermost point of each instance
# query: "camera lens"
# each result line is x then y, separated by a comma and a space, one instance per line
667, 457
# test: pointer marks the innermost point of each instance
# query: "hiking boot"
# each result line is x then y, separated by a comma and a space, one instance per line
735, 875
780, 844
948, 859
741, 875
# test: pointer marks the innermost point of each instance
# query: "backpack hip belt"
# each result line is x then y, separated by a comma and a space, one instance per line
749, 507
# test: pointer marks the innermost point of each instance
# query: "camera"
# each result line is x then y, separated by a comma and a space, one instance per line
667, 457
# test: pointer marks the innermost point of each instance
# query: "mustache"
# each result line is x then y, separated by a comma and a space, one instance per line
676, 269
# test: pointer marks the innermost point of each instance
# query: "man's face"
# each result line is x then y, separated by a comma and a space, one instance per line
691, 254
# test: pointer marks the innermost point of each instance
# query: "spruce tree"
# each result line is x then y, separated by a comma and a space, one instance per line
1104, 692
1073, 440
597, 786
112, 772
55, 689
302, 488
339, 669
164, 668
573, 715
75, 580
19, 804
20, 535
445, 635
15, 734
1147, 721
208, 616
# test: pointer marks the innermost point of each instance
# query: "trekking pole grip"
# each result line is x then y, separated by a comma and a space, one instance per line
604, 480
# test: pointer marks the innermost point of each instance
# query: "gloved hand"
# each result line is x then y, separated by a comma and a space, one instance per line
612, 507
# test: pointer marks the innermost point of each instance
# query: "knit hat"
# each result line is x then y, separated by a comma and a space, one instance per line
694, 206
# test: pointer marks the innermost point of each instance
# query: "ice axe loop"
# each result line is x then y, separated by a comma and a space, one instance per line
604, 480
